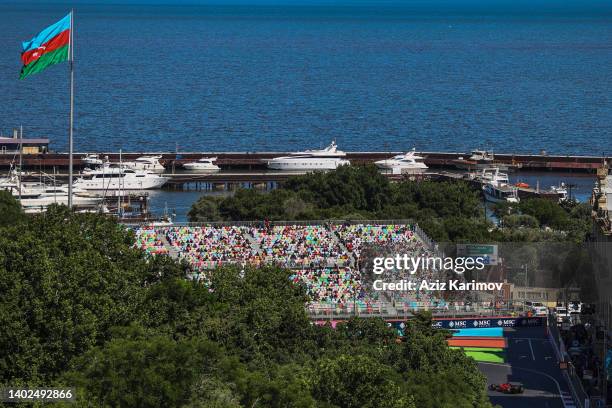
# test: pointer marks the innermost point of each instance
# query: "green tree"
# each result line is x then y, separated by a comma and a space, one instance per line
355, 381
520, 220
547, 212
65, 280
362, 188
145, 372
205, 209
10, 209
80, 305
264, 311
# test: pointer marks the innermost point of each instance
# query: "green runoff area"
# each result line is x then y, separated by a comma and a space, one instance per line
484, 354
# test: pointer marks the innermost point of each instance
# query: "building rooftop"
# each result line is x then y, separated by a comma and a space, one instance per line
13, 141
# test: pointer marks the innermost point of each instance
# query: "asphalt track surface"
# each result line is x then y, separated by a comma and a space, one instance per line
530, 360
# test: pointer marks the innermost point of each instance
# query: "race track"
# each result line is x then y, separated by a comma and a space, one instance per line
531, 360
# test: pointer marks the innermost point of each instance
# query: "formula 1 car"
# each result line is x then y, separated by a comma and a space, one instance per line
507, 388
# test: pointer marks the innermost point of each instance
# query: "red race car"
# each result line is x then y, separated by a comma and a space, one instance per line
507, 388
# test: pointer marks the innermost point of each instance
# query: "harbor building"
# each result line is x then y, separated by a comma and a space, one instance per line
601, 201
30, 146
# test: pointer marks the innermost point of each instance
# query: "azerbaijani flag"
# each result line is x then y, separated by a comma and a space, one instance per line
50, 46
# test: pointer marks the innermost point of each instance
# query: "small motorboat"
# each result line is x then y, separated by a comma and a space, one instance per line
92, 160
205, 164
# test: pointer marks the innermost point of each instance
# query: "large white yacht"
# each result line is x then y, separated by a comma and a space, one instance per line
329, 158
36, 199
119, 178
204, 165
408, 163
149, 163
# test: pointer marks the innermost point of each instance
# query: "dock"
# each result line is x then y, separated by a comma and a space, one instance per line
523, 192
226, 180
249, 170
223, 180
253, 161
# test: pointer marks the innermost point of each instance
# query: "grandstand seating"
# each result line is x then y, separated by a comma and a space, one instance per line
296, 246
207, 247
323, 256
354, 236
148, 239
334, 285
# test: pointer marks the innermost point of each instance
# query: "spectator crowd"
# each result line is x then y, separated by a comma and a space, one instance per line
325, 258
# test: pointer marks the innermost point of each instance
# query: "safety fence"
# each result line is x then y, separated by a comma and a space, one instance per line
389, 310
261, 223
579, 395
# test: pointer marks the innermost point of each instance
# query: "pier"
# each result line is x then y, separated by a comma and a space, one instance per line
227, 180
523, 192
252, 161
249, 170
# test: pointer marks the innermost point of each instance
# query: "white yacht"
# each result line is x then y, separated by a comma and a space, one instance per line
560, 191
92, 160
149, 163
37, 198
500, 193
497, 188
482, 156
205, 165
493, 175
113, 178
329, 158
408, 163
480, 159
9, 183
13, 185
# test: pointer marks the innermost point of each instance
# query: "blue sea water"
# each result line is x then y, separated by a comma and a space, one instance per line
255, 78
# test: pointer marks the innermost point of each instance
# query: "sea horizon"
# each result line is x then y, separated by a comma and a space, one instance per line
215, 77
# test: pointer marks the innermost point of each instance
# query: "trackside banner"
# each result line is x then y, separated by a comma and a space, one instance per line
489, 322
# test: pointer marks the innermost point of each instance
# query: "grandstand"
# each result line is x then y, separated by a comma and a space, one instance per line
300, 245
327, 258
149, 240
208, 247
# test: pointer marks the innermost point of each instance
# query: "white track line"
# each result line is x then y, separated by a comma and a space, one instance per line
531, 348
568, 401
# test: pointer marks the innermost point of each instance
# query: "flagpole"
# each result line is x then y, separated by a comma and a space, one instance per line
70, 138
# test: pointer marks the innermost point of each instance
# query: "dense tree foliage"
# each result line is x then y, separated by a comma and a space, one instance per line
65, 281
447, 211
10, 210
545, 220
79, 306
